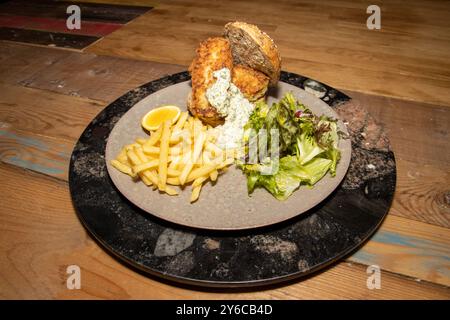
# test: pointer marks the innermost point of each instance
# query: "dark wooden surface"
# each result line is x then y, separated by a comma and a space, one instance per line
44, 22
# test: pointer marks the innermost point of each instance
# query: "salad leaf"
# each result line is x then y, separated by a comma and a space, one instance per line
313, 171
289, 176
258, 116
308, 146
281, 118
280, 185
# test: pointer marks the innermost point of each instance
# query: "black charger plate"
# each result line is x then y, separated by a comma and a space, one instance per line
294, 248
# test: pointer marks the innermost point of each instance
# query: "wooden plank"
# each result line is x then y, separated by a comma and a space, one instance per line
142, 3
96, 77
422, 193
44, 232
419, 136
38, 130
340, 52
418, 131
21, 61
411, 248
37, 153
42, 113
64, 40
88, 28
57, 9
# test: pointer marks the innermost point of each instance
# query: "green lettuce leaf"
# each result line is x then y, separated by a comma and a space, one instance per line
308, 147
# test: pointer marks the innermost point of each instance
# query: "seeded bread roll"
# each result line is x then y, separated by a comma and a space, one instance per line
253, 48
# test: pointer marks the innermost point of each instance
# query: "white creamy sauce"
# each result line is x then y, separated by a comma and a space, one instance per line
231, 104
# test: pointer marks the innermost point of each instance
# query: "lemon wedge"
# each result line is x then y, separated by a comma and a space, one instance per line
155, 117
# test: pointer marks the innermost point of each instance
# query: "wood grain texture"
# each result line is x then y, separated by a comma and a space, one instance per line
410, 246
99, 12
76, 74
99, 78
44, 237
42, 154
419, 134
97, 29
329, 41
19, 61
58, 39
144, 3
33, 137
43, 113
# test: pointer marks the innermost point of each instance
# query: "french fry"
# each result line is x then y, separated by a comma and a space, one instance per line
212, 136
152, 176
186, 157
181, 121
163, 155
122, 156
225, 163
215, 150
134, 159
197, 126
141, 141
174, 181
196, 193
131, 146
213, 175
175, 151
190, 123
201, 171
122, 167
174, 155
175, 137
199, 181
170, 191
144, 159
173, 172
198, 146
174, 162
140, 154
146, 165
154, 137
144, 179
185, 172
207, 157
150, 149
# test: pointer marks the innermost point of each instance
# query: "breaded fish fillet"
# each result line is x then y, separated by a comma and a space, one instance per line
213, 54
252, 83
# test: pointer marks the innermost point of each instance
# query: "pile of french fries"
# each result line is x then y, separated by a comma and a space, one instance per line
176, 154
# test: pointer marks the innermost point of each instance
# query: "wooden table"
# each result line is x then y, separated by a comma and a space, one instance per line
400, 73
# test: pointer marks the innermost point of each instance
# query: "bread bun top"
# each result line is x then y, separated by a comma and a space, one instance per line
254, 48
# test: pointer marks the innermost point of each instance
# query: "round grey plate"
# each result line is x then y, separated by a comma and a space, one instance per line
226, 204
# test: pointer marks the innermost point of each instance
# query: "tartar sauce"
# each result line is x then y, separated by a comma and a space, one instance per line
231, 104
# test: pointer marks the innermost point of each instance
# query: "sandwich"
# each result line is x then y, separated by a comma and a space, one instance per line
248, 53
